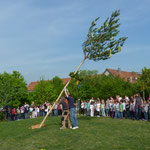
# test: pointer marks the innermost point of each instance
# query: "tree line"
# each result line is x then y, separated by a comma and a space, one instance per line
87, 84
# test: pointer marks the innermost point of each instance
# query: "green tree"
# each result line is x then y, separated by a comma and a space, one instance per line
58, 84
13, 89
94, 85
143, 83
81, 88
44, 91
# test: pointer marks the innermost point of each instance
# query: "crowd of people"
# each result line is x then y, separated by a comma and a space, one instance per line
31, 111
131, 108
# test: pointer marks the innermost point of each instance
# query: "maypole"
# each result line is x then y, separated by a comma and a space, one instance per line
101, 43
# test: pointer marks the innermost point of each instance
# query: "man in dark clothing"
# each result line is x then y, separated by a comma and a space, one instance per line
65, 113
138, 106
72, 109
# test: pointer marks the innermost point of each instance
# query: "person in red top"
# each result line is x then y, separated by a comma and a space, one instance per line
14, 112
59, 109
149, 97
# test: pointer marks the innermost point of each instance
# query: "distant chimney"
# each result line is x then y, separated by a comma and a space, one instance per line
119, 70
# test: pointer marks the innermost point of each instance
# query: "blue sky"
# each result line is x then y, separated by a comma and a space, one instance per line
43, 38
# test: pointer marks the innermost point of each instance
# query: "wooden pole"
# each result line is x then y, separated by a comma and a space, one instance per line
62, 93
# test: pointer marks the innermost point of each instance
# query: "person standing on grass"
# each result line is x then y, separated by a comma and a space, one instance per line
103, 108
149, 97
138, 106
148, 108
124, 108
107, 108
98, 106
92, 108
116, 109
127, 109
14, 112
88, 108
82, 108
85, 107
121, 110
22, 112
131, 109
72, 108
145, 108
18, 113
9, 114
65, 113
92, 102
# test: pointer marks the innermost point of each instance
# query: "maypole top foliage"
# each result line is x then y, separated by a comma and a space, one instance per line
101, 42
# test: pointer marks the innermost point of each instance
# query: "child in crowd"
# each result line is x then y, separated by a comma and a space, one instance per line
149, 107
22, 112
145, 108
85, 107
127, 109
124, 108
30, 111
116, 109
88, 108
98, 105
131, 108
34, 114
121, 110
14, 112
82, 107
107, 108
113, 108
103, 108
18, 113
110, 107
92, 107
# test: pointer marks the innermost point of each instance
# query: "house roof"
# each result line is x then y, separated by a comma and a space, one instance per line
32, 85
127, 76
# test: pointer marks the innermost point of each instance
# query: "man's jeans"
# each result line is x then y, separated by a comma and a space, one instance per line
116, 113
73, 117
120, 114
138, 113
26, 115
146, 115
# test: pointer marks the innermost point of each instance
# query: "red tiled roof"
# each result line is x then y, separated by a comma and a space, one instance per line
65, 80
125, 75
32, 85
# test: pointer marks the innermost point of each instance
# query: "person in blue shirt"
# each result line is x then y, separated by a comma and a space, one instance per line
72, 109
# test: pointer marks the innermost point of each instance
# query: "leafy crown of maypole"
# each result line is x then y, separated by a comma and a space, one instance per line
101, 42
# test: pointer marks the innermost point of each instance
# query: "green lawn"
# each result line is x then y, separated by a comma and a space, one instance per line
93, 134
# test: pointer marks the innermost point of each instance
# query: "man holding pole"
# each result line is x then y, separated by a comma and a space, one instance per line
72, 108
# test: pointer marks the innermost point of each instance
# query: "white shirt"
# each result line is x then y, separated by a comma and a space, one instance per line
98, 106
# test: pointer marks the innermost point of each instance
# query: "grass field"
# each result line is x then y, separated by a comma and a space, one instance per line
93, 134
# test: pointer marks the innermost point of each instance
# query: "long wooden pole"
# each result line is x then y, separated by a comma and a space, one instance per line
61, 93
